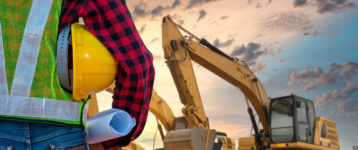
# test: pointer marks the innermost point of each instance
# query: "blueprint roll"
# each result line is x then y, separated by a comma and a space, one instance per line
109, 124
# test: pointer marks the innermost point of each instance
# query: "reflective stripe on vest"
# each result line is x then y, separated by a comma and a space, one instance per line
30, 47
3, 79
39, 108
19, 104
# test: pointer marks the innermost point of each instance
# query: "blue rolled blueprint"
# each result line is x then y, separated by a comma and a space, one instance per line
109, 124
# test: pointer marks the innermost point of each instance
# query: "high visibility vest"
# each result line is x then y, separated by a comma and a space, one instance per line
29, 87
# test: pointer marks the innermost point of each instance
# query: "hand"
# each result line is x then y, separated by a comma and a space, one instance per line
97, 146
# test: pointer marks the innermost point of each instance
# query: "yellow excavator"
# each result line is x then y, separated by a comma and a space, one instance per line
162, 112
288, 122
165, 115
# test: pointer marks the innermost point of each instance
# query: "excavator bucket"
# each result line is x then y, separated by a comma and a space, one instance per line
190, 139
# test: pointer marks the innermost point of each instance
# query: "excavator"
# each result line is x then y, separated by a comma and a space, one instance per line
162, 112
288, 122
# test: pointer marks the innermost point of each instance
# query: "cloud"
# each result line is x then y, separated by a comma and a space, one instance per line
349, 89
341, 95
298, 3
305, 75
142, 10
287, 21
336, 72
279, 51
176, 3
202, 14
349, 108
344, 99
233, 130
139, 10
228, 42
326, 98
157, 10
157, 57
179, 19
154, 40
258, 5
310, 86
282, 60
142, 29
350, 70
326, 6
329, 32
257, 67
193, 3
180, 22
306, 33
331, 76
223, 17
286, 92
248, 53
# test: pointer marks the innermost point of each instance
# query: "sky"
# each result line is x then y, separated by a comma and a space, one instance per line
305, 47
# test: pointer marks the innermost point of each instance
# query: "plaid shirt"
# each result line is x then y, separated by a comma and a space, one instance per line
111, 23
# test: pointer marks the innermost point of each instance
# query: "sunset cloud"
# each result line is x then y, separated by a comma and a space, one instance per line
257, 67
326, 6
248, 53
139, 10
193, 3
297, 3
343, 99
157, 10
218, 43
142, 28
202, 14
289, 21
336, 72
176, 3
349, 108
342, 95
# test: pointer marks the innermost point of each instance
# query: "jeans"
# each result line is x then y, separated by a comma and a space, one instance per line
17, 135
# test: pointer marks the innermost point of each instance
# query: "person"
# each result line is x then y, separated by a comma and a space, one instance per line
35, 112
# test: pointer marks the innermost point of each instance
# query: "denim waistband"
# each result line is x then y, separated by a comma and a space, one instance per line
24, 131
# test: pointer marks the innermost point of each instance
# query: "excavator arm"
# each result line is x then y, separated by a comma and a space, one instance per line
162, 111
159, 108
179, 51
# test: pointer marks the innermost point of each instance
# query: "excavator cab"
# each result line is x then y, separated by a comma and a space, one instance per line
294, 125
292, 120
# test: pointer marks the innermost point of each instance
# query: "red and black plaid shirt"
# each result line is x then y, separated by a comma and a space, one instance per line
111, 23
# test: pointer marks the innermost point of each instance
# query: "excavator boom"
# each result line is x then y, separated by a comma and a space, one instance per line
179, 52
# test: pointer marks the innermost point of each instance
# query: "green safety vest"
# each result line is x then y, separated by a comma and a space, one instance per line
29, 86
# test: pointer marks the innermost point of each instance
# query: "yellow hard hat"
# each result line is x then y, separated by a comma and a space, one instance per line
94, 68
